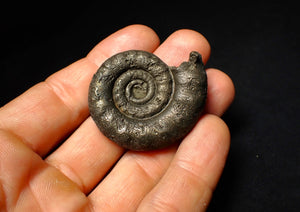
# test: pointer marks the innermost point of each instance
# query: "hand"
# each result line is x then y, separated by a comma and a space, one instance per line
54, 158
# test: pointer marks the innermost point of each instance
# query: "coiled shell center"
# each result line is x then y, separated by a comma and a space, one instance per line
138, 93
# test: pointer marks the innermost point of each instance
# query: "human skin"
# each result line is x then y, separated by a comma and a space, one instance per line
87, 171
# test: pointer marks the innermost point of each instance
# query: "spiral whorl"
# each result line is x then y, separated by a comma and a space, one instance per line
140, 103
143, 87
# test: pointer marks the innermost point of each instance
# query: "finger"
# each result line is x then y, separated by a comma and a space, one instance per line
220, 93
27, 182
194, 172
86, 156
47, 112
129, 181
137, 37
136, 173
180, 44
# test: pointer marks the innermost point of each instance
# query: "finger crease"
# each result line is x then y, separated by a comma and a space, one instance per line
100, 54
161, 204
145, 171
190, 168
60, 92
69, 172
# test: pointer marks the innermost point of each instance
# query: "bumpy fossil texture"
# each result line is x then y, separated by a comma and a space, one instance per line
139, 102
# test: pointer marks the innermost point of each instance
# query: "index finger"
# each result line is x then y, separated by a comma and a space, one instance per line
50, 110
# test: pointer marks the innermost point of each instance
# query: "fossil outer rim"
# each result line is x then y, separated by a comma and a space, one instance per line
162, 118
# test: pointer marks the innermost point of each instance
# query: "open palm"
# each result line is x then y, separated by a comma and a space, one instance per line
88, 172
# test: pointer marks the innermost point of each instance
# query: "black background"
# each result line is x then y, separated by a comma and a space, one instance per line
256, 44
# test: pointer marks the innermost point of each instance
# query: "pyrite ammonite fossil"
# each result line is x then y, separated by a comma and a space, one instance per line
140, 103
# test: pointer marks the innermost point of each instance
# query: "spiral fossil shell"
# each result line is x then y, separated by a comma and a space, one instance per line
140, 103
